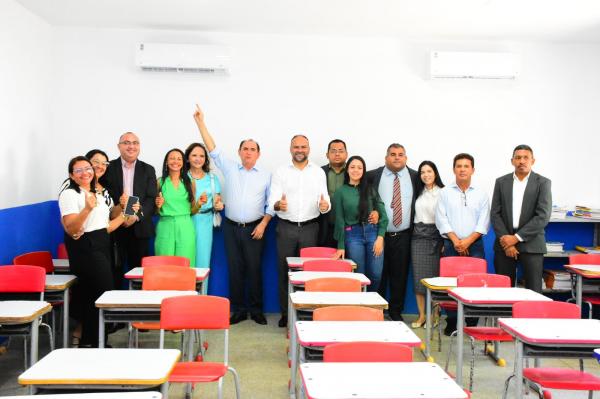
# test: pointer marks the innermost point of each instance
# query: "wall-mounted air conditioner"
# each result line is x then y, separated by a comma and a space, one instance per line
473, 65
181, 57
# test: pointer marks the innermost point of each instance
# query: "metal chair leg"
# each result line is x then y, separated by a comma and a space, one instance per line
236, 380
472, 364
50, 335
506, 384
454, 334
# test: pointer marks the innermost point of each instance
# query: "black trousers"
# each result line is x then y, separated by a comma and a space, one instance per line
244, 255
90, 261
290, 239
396, 258
130, 251
533, 266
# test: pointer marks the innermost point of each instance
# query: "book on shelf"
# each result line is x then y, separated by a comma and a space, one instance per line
588, 250
558, 212
553, 246
587, 213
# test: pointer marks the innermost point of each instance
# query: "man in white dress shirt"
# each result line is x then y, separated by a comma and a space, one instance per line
298, 196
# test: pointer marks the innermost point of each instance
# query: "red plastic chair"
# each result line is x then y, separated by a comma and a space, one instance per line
317, 252
19, 282
37, 258
587, 259
61, 251
347, 313
485, 334
198, 312
164, 278
327, 265
332, 284
165, 261
552, 377
367, 352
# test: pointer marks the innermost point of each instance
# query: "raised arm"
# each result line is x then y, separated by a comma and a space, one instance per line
206, 137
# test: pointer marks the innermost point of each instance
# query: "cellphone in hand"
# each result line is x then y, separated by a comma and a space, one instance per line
132, 200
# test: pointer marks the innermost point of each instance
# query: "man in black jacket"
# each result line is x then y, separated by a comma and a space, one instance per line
334, 172
396, 184
126, 176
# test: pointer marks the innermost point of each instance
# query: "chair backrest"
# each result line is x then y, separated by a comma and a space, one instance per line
22, 279
452, 266
333, 284
317, 252
169, 278
482, 280
584, 259
546, 310
367, 352
347, 313
61, 251
165, 261
194, 312
38, 258
327, 265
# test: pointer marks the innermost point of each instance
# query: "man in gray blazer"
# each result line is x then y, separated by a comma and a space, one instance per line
521, 208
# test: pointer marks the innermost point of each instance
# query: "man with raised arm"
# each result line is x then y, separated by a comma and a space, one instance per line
246, 218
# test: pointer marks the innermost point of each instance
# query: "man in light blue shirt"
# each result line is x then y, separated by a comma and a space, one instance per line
246, 218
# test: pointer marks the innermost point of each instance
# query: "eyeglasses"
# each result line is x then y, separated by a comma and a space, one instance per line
80, 171
127, 143
99, 163
464, 197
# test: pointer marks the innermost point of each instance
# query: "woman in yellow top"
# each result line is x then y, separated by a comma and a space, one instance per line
175, 231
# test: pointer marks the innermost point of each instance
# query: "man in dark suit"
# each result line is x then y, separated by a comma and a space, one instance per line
396, 184
334, 172
126, 176
521, 208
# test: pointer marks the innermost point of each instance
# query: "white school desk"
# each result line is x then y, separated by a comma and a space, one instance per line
82, 368
25, 312
61, 265
408, 380
581, 272
312, 300
485, 301
108, 395
437, 289
297, 262
557, 337
58, 285
137, 273
129, 306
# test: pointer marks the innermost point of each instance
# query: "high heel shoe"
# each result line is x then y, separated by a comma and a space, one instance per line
416, 324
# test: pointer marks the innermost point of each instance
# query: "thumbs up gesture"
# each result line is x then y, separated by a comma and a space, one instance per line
202, 199
218, 203
160, 201
281, 205
90, 201
323, 204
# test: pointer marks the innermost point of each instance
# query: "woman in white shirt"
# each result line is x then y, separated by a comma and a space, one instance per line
86, 219
426, 244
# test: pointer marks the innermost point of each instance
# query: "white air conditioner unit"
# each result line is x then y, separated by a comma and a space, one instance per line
473, 65
181, 57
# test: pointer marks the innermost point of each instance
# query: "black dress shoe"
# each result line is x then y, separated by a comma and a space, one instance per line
237, 317
259, 318
283, 321
396, 316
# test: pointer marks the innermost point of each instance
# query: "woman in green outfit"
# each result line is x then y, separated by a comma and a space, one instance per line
175, 230
357, 238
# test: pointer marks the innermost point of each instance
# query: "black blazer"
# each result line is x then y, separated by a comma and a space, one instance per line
144, 187
374, 177
324, 225
535, 212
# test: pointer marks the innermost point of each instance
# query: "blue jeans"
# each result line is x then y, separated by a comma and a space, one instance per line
475, 250
359, 241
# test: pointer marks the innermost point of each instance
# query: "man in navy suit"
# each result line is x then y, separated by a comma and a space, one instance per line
521, 208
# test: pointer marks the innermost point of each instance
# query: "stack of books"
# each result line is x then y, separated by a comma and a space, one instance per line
557, 280
587, 213
553, 246
588, 250
559, 212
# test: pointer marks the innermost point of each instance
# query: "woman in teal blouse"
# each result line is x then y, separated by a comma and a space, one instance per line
358, 239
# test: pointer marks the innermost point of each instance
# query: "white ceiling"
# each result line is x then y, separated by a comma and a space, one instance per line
536, 20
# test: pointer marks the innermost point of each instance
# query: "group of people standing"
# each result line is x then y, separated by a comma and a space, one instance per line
383, 219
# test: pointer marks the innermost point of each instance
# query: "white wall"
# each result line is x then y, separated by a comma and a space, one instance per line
25, 70
368, 91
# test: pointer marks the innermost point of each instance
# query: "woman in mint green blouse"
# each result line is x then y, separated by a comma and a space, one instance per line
175, 231
358, 239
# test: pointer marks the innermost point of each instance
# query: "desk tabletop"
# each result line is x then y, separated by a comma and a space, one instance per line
136, 298
16, 312
297, 261
588, 271
59, 282
554, 331
321, 333
105, 395
138, 272
303, 299
439, 283
378, 381
494, 296
301, 277
102, 367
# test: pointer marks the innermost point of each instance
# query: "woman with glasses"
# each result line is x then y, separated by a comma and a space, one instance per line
86, 219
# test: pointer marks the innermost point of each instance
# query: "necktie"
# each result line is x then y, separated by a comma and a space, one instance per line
397, 202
